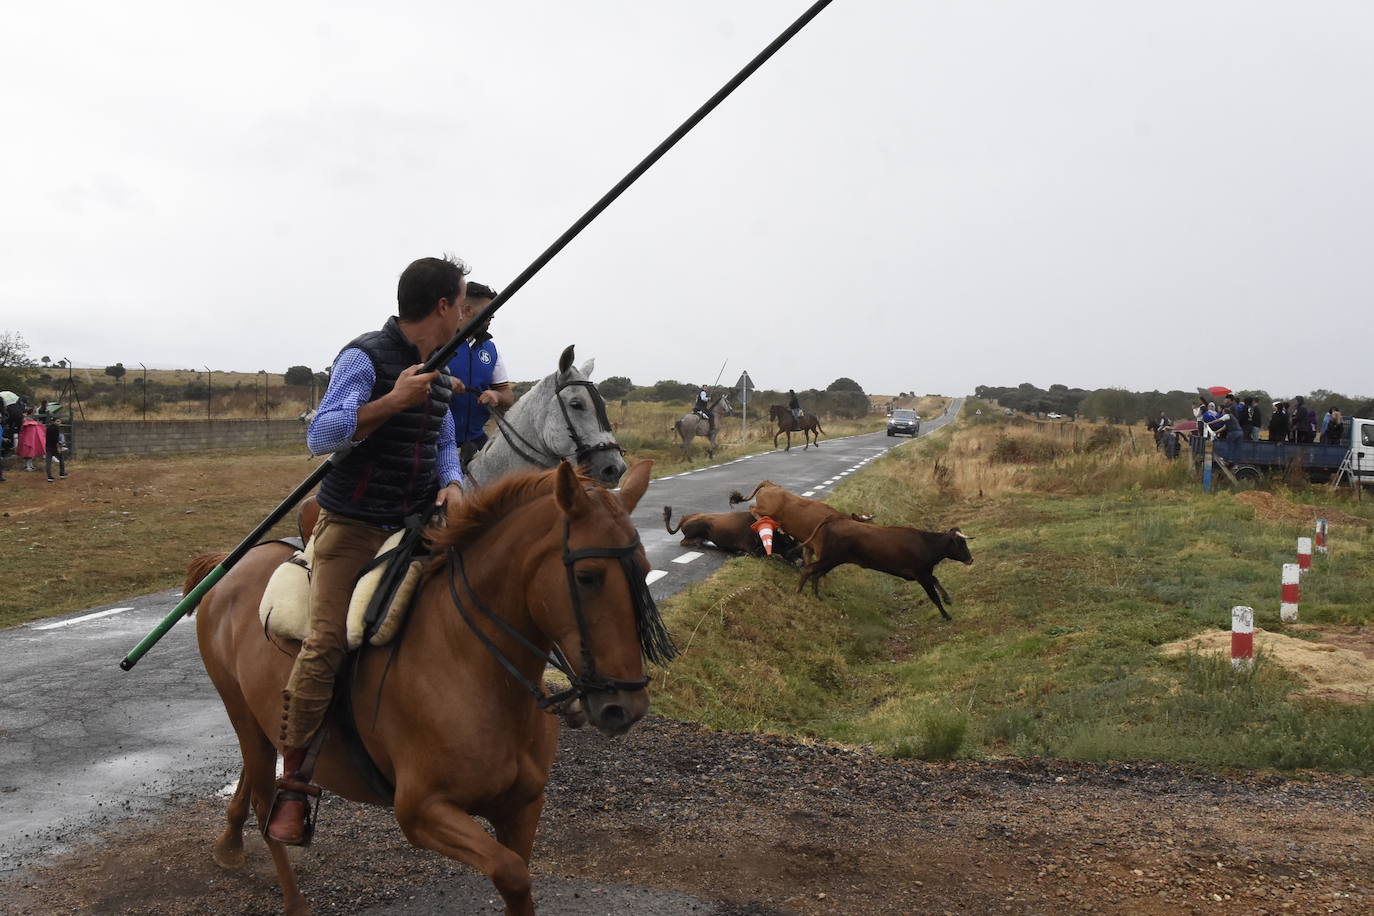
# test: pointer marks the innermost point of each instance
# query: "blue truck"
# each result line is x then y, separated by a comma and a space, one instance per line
1319, 461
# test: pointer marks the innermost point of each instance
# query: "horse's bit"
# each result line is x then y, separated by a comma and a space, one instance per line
654, 640
582, 452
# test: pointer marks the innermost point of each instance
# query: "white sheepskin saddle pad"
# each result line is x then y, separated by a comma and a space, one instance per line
285, 607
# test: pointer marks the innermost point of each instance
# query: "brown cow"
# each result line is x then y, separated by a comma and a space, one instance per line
798, 516
903, 552
729, 531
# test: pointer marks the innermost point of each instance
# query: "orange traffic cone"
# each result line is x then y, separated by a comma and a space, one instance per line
765, 528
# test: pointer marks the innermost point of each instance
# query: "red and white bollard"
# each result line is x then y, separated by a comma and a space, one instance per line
1242, 638
1288, 609
765, 528
1321, 535
1304, 555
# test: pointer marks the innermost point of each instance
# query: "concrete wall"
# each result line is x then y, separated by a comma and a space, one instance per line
101, 438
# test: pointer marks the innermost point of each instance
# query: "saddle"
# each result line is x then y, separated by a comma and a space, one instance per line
385, 589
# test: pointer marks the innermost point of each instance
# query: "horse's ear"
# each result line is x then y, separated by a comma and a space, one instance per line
588, 366
572, 499
634, 483
565, 361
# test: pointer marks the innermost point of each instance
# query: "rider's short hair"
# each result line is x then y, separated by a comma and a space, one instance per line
480, 291
425, 282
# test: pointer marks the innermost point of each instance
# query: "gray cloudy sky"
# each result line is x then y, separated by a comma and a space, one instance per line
920, 195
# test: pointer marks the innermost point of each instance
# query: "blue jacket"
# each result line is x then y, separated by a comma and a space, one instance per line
474, 367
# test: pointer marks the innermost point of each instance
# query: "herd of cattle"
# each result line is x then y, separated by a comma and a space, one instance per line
817, 538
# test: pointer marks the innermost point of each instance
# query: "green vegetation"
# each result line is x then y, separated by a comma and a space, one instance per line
1088, 557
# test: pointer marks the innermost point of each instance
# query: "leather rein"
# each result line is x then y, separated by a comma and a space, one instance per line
590, 681
582, 451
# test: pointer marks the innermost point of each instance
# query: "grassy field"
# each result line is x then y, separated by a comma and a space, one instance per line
127, 526
1090, 554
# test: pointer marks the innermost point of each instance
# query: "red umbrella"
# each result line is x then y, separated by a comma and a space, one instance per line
1217, 391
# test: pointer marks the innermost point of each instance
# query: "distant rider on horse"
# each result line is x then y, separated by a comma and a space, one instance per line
794, 405
702, 408
407, 464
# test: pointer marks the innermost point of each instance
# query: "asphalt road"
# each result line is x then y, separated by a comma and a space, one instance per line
83, 744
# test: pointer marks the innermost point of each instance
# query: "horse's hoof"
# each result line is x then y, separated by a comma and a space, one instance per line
228, 859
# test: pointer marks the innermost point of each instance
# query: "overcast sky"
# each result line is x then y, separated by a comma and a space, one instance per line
920, 195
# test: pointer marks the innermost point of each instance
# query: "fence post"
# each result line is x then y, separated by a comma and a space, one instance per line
1321, 535
1288, 606
1242, 638
1304, 555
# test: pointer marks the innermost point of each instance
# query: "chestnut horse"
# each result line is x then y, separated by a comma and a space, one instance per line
808, 424
535, 569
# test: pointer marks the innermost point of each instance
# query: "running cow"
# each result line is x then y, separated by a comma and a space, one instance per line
903, 552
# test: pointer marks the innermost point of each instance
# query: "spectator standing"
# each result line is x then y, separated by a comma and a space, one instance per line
1242, 409
1213, 421
1278, 423
56, 446
1335, 430
32, 441
1326, 424
1256, 419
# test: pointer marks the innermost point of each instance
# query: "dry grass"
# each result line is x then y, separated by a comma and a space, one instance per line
128, 526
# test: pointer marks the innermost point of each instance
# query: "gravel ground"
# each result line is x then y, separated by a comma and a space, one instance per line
675, 819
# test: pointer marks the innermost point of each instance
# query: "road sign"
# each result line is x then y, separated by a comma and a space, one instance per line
745, 383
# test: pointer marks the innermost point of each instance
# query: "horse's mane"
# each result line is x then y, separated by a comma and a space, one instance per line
482, 508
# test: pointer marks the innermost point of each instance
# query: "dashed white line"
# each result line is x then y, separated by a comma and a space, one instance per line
809, 493
687, 557
654, 575
67, 623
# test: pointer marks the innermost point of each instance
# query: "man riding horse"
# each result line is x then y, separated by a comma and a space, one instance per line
702, 408
486, 384
794, 405
407, 464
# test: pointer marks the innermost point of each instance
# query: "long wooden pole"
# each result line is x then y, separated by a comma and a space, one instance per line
441, 356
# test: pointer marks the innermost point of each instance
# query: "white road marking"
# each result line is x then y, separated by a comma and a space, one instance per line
233, 787
67, 623
687, 557
809, 493
654, 575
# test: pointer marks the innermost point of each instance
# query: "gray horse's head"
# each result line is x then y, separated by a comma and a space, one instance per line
575, 424
723, 402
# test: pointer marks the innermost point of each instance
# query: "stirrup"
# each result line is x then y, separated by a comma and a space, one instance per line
282, 793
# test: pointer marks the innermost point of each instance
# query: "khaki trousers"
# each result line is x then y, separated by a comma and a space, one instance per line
343, 546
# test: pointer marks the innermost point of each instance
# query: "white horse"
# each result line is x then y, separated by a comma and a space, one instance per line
693, 424
562, 417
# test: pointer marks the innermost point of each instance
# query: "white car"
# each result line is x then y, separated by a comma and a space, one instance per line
1054, 416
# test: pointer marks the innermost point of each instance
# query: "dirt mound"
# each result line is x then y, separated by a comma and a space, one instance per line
1273, 508
1330, 669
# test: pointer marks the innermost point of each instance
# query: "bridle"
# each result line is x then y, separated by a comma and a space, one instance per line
654, 640
582, 451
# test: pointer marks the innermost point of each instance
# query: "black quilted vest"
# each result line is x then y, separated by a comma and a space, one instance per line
393, 474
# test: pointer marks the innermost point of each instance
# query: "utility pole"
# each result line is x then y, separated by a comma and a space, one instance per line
209, 390
145, 393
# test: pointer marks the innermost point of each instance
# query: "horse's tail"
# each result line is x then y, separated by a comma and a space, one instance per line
198, 569
818, 425
677, 428
736, 498
667, 516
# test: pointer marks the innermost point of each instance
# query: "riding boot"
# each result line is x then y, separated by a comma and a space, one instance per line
289, 822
